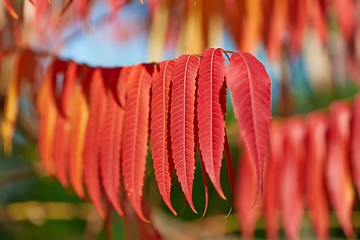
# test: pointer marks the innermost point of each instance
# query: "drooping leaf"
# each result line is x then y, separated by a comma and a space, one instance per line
250, 89
97, 107
47, 118
292, 186
11, 108
338, 175
78, 121
317, 202
246, 190
110, 151
211, 122
182, 122
160, 137
134, 145
273, 180
355, 143
61, 151
20, 71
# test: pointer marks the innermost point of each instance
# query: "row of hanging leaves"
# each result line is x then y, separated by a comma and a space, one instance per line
249, 21
94, 123
313, 162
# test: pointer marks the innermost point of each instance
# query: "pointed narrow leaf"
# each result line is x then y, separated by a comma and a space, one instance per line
247, 213
79, 119
161, 150
97, 107
46, 107
272, 180
355, 143
250, 88
292, 188
134, 145
110, 151
338, 175
61, 143
11, 106
317, 202
211, 122
182, 122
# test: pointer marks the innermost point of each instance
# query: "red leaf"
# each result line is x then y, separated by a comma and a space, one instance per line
97, 107
250, 89
247, 213
135, 139
110, 151
182, 122
292, 186
206, 186
160, 121
211, 122
79, 119
272, 180
355, 143
318, 206
338, 175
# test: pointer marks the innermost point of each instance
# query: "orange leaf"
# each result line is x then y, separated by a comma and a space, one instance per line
47, 113
11, 108
79, 119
